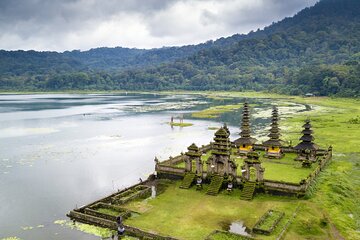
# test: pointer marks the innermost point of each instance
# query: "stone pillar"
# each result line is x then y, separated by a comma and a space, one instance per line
246, 174
188, 164
199, 166
261, 174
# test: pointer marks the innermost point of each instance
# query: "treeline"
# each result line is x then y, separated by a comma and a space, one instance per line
323, 80
316, 51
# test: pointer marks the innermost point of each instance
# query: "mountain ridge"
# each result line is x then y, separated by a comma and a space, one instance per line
323, 37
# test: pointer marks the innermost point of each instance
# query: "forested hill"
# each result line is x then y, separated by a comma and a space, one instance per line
317, 51
27, 63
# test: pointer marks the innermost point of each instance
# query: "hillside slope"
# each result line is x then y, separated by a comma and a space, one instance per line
317, 50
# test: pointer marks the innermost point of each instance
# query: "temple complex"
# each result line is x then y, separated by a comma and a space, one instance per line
242, 168
273, 145
240, 163
245, 143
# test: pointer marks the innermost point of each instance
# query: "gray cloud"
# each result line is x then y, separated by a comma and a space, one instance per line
82, 24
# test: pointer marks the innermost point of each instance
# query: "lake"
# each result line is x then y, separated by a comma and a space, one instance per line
60, 151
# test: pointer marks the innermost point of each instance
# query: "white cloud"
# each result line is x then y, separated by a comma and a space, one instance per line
84, 24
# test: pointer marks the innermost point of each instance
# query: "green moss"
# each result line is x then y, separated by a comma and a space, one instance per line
108, 211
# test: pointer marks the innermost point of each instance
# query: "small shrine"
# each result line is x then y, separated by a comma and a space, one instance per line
273, 145
219, 162
307, 148
245, 143
193, 155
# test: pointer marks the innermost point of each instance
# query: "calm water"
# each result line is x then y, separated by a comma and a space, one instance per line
62, 151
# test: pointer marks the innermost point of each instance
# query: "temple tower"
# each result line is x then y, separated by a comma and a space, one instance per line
219, 162
307, 148
273, 145
193, 154
245, 143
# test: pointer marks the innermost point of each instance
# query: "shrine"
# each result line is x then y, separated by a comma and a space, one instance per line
273, 145
245, 143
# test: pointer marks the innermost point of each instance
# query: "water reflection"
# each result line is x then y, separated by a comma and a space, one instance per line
238, 227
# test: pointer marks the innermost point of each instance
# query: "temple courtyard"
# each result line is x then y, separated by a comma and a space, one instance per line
284, 169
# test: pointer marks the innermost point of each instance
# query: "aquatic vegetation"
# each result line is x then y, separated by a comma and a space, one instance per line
11, 238
163, 106
86, 228
27, 228
21, 132
214, 112
174, 124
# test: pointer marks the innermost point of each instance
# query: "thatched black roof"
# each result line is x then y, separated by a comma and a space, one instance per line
245, 134
307, 138
274, 134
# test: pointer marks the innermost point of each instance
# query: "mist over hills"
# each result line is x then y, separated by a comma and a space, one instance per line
317, 50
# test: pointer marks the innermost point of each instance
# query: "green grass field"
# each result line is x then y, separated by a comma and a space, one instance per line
191, 214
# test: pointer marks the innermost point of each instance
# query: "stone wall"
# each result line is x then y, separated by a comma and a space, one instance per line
181, 158
137, 192
107, 199
132, 231
282, 186
169, 169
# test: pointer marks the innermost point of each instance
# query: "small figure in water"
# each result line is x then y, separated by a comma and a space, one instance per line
172, 120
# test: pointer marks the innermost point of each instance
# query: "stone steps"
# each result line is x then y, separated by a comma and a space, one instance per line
188, 180
248, 191
215, 185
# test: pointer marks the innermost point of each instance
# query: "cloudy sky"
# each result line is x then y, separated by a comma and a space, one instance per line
83, 24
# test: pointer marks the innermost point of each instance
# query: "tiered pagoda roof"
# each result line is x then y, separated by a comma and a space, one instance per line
245, 137
226, 128
222, 145
274, 134
307, 140
193, 151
